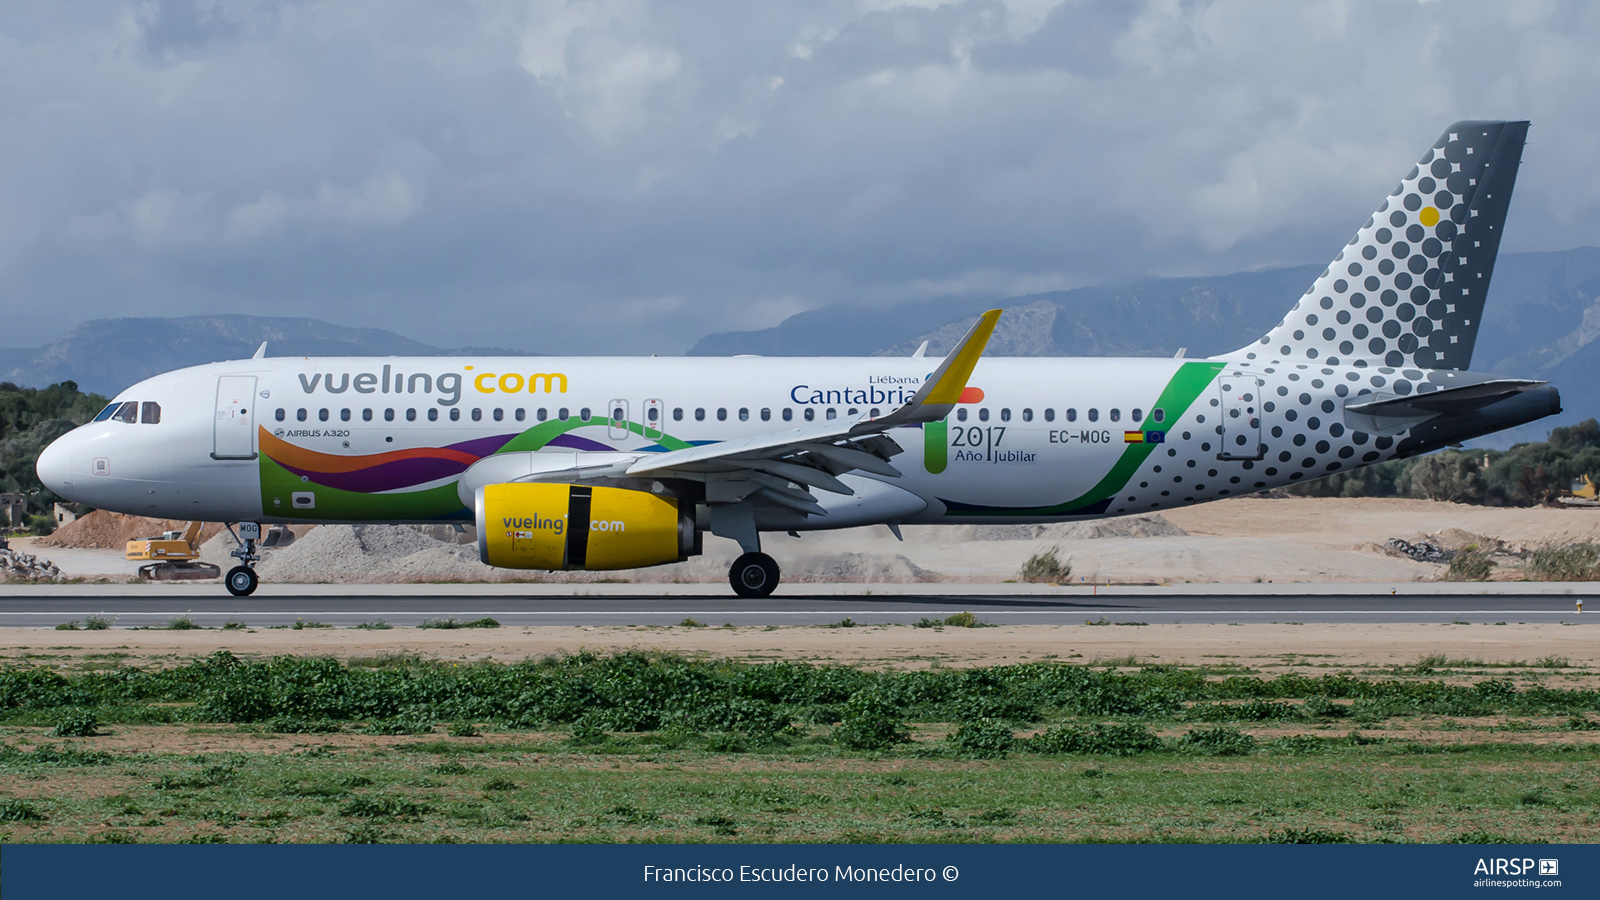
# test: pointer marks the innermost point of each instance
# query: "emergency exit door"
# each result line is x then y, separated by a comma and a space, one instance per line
234, 429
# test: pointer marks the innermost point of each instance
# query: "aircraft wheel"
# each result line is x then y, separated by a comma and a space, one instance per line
754, 575
241, 581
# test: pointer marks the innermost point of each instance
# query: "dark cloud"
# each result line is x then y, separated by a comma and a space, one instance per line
625, 176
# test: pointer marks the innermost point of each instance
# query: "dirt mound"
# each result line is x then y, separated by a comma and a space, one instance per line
103, 530
1456, 539
1123, 527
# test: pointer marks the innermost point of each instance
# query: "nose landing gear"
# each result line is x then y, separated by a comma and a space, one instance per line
754, 575
241, 580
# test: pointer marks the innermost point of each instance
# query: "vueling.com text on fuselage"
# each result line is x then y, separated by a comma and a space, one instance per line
447, 385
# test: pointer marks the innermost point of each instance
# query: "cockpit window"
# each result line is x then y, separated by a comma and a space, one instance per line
129, 412
150, 413
107, 412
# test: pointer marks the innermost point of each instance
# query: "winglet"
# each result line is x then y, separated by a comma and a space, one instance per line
942, 390
945, 385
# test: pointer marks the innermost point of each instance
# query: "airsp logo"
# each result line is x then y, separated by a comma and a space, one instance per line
278, 433
1502, 866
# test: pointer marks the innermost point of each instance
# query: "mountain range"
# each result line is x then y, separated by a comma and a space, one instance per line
1542, 321
107, 355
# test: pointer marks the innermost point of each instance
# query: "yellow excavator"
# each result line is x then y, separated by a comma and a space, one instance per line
1584, 492
175, 555
172, 556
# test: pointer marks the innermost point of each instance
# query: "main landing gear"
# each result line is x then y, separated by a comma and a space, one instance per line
754, 575
241, 580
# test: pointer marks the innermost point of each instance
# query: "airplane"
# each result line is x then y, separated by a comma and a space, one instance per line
590, 463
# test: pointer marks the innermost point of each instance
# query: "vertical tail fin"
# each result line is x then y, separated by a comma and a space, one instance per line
1408, 289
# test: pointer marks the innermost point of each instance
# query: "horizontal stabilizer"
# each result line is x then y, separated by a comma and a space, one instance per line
1389, 414
1449, 402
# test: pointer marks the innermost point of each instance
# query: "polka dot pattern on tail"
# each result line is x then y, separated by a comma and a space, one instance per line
1432, 243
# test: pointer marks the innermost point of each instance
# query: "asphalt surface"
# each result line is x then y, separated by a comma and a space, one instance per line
347, 605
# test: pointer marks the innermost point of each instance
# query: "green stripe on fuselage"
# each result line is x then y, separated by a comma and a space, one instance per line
935, 446
1186, 385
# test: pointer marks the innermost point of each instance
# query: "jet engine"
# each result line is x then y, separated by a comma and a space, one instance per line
537, 525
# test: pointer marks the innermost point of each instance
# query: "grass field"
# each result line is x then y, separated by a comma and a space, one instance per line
637, 747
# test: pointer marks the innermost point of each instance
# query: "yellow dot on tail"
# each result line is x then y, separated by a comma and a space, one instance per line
1429, 217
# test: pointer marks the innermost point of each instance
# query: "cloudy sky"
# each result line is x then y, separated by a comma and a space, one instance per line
626, 176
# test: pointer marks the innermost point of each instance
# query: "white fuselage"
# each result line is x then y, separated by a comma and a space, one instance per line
367, 439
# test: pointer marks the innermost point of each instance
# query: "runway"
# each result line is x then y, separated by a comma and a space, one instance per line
599, 604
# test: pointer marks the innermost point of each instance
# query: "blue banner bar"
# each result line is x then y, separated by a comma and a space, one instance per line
170, 872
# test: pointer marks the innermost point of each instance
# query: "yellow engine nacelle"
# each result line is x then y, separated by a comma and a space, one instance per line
567, 526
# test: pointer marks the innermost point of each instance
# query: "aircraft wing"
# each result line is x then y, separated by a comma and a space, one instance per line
814, 455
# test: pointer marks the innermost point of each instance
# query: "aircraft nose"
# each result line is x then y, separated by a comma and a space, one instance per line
55, 467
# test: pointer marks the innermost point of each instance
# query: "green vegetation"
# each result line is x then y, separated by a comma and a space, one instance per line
661, 748
452, 622
1569, 562
30, 418
1045, 566
1526, 475
1469, 564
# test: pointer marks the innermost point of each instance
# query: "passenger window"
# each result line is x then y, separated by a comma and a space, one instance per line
150, 413
1005, 414
281, 414
344, 415
1049, 414
788, 414
499, 414
388, 415
833, 413
677, 414
455, 415
853, 411
699, 414
411, 415
874, 412
618, 416
562, 414
322, 414
129, 413
521, 414
744, 414
1159, 414
961, 415
1072, 415
477, 415
766, 415
983, 415
366, 415
111, 410
722, 414
811, 414
300, 414
541, 415
433, 414
1138, 414
1116, 415
1027, 415
584, 414
1094, 415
